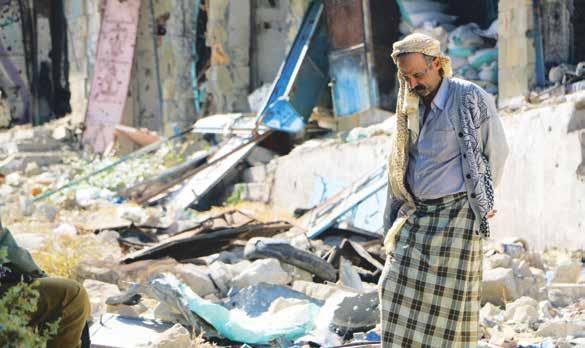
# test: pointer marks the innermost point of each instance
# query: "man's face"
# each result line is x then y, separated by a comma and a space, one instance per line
422, 78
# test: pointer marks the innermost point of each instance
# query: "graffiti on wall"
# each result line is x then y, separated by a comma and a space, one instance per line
109, 88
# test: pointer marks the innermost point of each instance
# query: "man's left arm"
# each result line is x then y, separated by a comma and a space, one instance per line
495, 145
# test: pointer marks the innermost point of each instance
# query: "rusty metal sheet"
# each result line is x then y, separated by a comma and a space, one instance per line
109, 87
191, 245
345, 23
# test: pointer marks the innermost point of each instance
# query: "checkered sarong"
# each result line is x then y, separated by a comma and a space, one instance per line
431, 284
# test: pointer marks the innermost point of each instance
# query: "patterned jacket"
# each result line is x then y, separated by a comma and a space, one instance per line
483, 146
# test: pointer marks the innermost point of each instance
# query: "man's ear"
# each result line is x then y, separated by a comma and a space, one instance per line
437, 63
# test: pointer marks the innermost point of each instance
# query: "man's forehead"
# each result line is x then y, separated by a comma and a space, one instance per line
410, 61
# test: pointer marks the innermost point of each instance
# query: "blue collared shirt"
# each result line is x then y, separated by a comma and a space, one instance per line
435, 167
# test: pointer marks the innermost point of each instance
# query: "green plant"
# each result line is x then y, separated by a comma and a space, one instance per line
236, 196
17, 304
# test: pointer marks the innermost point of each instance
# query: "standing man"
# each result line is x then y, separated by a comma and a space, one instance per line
449, 150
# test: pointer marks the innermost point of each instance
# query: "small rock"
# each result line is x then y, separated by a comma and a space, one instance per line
546, 311
175, 337
297, 273
197, 279
262, 271
48, 212
32, 169
98, 294
163, 312
499, 286
60, 133
490, 315
567, 271
561, 328
30, 241
135, 214
316, 290
65, 230
561, 295
127, 311
523, 309
497, 260
13, 179
106, 273
220, 275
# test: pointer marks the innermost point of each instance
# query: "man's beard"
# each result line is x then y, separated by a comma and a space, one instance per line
421, 91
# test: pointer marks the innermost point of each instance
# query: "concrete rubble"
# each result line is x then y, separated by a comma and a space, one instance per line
252, 260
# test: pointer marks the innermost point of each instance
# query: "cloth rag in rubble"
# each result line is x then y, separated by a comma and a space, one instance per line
430, 287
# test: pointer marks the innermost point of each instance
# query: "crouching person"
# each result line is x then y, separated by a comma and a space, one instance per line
59, 298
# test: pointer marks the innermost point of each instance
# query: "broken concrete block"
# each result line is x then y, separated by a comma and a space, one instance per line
490, 315
127, 311
220, 275
262, 271
13, 179
98, 294
258, 174
30, 241
561, 328
316, 290
65, 230
32, 169
546, 311
561, 295
566, 271
260, 155
523, 309
102, 273
196, 278
175, 337
256, 192
297, 273
59, 133
499, 286
164, 312
497, 260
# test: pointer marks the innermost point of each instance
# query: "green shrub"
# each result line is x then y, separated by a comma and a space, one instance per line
16, 306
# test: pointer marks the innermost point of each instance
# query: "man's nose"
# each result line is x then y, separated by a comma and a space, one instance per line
411, 82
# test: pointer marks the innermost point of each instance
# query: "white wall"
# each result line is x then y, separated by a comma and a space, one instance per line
540, 197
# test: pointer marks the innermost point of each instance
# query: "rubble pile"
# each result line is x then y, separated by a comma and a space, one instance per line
242, 273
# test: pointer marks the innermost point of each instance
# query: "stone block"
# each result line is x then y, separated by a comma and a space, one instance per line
256, 192
567, 271
175, 337
98, 294
257, 174
266, 271
499, 286
561, 295
196, 278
